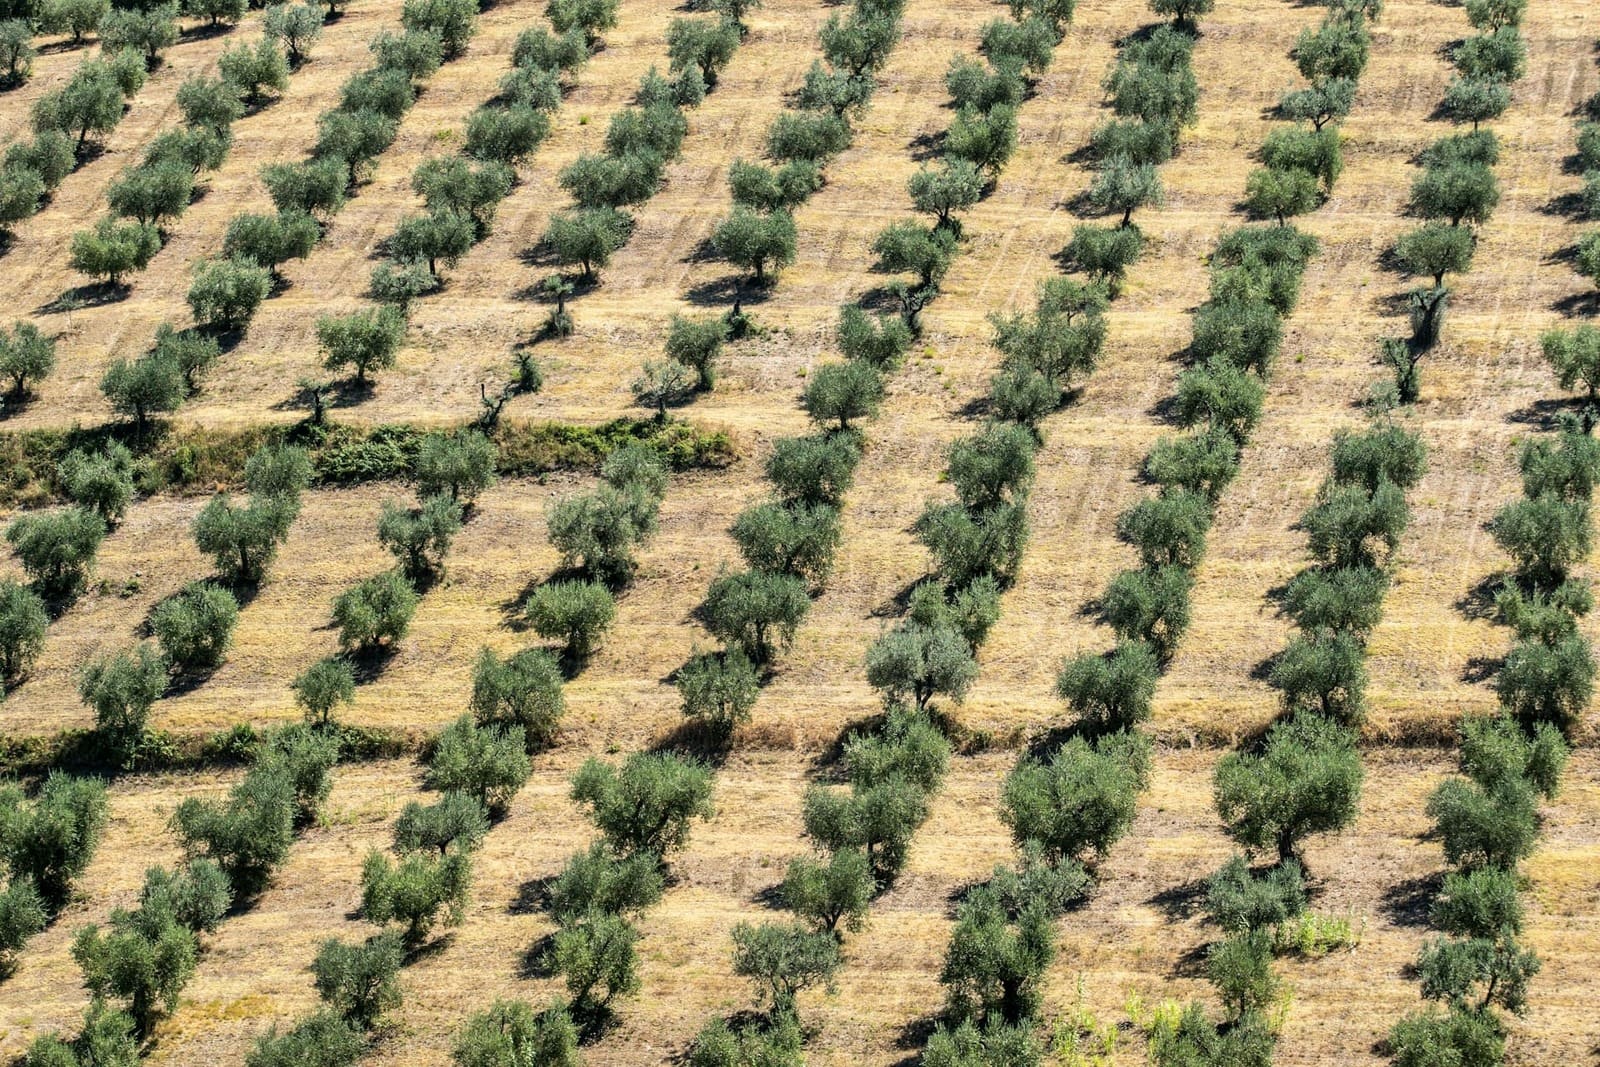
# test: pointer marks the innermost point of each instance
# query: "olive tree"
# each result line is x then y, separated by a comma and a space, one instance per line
26, 356
1305, 779
195, 627
644, 806
521, 691
56, 549
363, 340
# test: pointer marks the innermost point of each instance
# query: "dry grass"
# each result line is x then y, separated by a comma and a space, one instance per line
1482, 392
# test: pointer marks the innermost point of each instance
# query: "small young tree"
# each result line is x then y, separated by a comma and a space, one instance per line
360, 982
510, 1034
26, 356
522, 691
195, 627
719, 690
757, 611
598, 959
322, 687
323, 1039
226, 292
1124, 186
1305, 780
488, 763
253, 71
1240, 968
271, 240
461, 465
419, 892
646, 805
702, 43
843, 393
920, 663
588, 237
140, 388
247, 834
600, 881
832, 895
50, 842
1080, 802
295, 27
505, 135
375, 612
144, 960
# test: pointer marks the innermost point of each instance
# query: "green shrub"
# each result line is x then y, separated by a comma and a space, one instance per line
488, 763
522, 692
248, 834
195, 627
323, 1039
511, 1034
375, 612
360, 982
577, 613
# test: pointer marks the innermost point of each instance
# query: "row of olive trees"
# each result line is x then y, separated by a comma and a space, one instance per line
138, 963
1305, 776
640, 141
65, 120
153, 193
27, 18
228, 289
1152, 91
1488, 818
973, 152
1302, 164
1066, 806
1588, 161
45, 844
759, 236
1457, 190
460, 194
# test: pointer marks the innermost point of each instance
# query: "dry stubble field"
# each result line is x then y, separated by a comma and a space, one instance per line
1136, 936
